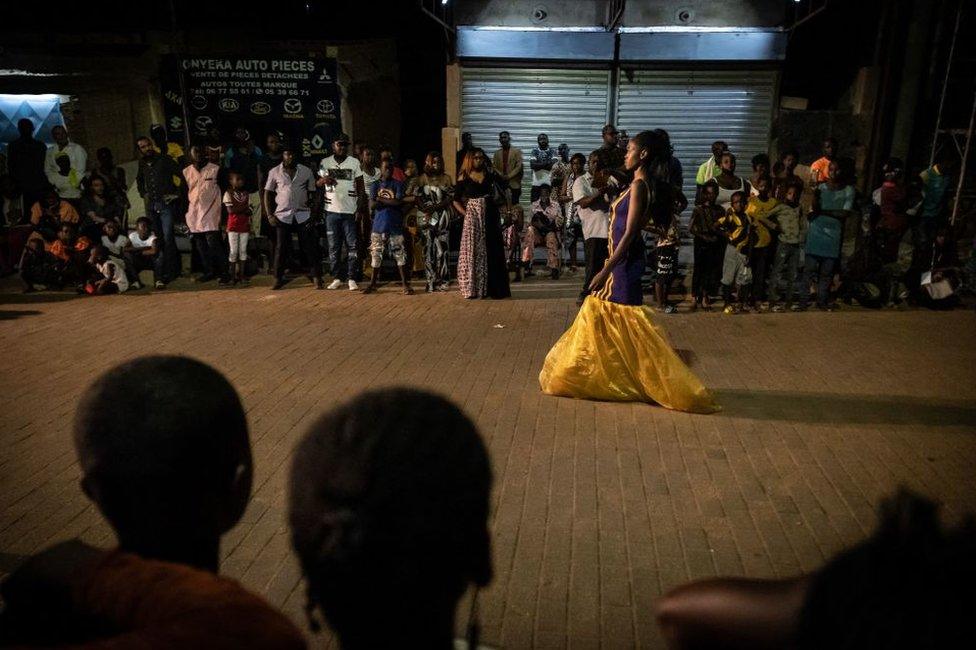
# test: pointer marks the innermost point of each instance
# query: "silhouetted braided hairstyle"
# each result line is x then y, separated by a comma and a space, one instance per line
657, 171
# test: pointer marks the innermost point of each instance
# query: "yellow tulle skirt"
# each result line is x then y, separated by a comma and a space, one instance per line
616, 353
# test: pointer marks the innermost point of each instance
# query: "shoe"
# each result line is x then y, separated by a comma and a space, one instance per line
318, 283
554, 274
279, 283
671, 309
353, 286
777, 308
744, 309
135, 286
798, 308
730, 309
160, 284
335, 284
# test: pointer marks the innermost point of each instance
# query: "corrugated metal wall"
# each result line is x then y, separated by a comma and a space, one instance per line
569, 105
698, 107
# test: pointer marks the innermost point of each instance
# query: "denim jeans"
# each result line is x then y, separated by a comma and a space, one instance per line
161, 214
823, 267
787, 259
342, 228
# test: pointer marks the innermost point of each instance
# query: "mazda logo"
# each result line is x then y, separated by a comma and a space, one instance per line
229, 105
203, 123
198, 102
325, 106
260, 108
293, 106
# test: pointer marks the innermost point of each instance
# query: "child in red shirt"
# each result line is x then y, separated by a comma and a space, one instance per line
238, 225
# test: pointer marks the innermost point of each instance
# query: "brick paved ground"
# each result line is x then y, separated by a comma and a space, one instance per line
598, 508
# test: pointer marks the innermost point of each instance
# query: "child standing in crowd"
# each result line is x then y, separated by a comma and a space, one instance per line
111, 276
387, 198
758, 209
709, 246
736, 274
792, 228
892, 219
667, 265
760, 168
237, 202
820, 169
833, 202
574, 227
145, 253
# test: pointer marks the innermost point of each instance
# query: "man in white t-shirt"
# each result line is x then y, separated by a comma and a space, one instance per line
145, 254
345, 202
589, 194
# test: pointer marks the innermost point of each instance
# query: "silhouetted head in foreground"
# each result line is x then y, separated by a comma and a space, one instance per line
388, 510
164, 452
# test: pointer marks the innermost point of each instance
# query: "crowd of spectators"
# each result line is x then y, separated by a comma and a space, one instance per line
773, 241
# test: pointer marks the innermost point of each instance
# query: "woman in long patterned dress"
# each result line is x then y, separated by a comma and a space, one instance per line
481, 262
613, 351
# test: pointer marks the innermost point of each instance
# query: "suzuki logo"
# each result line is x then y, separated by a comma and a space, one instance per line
293, 106
175, 123
228, 105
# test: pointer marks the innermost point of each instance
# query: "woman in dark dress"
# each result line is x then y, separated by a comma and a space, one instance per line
481, 263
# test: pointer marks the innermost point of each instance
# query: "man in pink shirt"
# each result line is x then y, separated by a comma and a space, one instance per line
203, 215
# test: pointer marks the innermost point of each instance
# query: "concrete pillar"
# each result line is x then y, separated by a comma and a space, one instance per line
911, 75
451, 133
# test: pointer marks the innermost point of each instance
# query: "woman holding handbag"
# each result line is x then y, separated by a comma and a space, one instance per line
481, 262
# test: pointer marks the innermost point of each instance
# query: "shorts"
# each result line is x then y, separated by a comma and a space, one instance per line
667, 262
379, 240
735, 268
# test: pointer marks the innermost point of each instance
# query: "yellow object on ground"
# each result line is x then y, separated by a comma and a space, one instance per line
614, 352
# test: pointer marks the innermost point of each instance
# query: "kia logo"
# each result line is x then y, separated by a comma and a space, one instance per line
203, 123
229, 105
260, 108
325, 106
293, 106
198, 102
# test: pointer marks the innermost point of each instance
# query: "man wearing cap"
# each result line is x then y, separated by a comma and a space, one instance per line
345, 202
286, 194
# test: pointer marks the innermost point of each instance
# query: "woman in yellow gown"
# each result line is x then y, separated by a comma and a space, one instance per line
613, 351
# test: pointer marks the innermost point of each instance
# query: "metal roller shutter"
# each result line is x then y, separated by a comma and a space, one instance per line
697, 108
568, 105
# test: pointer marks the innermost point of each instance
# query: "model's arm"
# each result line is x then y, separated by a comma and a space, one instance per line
636, 220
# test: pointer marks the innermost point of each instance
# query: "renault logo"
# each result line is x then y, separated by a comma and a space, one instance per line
293, 106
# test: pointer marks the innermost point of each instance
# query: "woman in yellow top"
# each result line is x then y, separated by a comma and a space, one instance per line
613, 351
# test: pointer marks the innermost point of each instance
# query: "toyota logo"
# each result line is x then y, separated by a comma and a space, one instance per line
293, 106
203, 123
260, 108
229, 105
324, 106
198, 102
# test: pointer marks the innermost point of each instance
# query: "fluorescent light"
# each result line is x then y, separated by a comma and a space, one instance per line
686, 29
508, 28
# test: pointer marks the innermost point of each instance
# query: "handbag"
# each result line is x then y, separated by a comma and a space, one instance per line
937, 289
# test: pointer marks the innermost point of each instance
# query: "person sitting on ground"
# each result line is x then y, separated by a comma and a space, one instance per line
48, 214
119, 248
110, 276
163, 447
386, 195
72, 254
388, 507
97, 207
736, 274
38, 266
543, 228
145, 253
907, 586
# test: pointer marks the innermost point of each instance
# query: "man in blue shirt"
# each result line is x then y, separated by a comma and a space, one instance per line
386, 198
